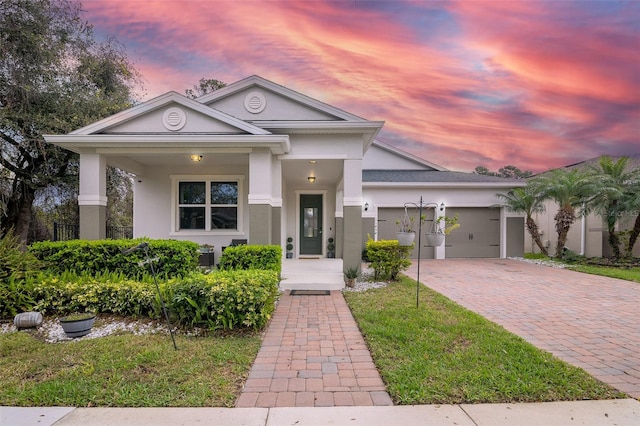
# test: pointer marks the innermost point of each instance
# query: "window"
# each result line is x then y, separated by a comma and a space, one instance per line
207, 203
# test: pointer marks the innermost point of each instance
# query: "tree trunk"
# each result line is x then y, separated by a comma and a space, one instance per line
614, 243
614, 239
532, 226
565, 217
19, 212
633, 237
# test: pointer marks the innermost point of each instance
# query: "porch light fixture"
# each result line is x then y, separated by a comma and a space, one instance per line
196, 158
366, 207
441, 206
312, 161
311, 179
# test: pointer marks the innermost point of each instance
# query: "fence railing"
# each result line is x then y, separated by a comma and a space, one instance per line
120, 232
65, 231
70, 231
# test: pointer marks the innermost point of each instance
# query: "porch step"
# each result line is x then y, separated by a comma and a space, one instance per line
312, 274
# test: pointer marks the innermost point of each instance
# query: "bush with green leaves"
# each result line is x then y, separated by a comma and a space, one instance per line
15, 267
111, 293
388, 258
220, 300
244, 257
175, 258
224, 299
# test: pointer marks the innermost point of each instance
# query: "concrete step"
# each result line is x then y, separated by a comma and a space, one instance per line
315, 281
312, 274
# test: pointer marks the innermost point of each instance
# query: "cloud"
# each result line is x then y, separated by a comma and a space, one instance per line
534, 84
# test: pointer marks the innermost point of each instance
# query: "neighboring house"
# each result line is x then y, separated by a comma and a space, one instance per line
257, 161
588, 236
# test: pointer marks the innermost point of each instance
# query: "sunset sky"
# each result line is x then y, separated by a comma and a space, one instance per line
535, 84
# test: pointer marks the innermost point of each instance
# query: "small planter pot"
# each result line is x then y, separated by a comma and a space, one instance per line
406, 238
77, 325
435, 240
350, 282
27, 320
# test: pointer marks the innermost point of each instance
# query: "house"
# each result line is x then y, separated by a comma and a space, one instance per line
260, 162
589, 235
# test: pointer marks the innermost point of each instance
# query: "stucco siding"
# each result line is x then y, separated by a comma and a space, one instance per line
277, 107
152, 216
379, 158
195, 122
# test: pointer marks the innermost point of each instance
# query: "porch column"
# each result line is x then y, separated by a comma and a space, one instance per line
352, 214
92, 197
260, 210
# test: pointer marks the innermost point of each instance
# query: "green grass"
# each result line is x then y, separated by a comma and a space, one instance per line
625, 270
631, 274
442, 353
124, 371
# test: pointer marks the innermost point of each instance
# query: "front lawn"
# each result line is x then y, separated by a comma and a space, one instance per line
442, 353
629, 274
125, 371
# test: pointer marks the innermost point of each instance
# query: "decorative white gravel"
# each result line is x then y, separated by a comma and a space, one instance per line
52, 332
365, 282
545, 262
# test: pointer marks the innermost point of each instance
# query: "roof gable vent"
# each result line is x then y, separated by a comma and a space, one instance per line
255, 102
174, 119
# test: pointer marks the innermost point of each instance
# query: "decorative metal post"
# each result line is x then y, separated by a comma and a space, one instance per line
419, 207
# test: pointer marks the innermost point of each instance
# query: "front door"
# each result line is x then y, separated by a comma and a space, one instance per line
311, 224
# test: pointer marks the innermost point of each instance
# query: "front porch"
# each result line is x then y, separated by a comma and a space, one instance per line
312, 274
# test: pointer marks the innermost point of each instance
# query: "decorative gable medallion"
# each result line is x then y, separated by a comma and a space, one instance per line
174, 119
255, 102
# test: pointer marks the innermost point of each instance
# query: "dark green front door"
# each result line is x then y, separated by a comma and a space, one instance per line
311, 224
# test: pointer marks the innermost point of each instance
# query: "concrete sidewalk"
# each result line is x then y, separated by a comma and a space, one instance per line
622, 412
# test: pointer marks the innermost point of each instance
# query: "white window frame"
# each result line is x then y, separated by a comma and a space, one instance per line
207, 179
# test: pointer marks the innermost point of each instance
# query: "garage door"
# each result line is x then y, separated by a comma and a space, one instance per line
478, 234
388, 229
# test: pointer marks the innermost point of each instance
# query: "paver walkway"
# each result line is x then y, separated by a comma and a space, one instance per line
590, 321
313, 355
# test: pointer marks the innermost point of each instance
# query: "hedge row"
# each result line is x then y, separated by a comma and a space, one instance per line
175, 258
252, 257
220, 300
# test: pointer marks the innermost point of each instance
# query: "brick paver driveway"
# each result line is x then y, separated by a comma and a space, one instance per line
589, 321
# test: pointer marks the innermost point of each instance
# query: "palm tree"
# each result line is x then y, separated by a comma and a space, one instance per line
612, 199
528, 201
631, 202
570, 190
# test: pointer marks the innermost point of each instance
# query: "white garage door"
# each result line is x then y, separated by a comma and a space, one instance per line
388, 229
478, 234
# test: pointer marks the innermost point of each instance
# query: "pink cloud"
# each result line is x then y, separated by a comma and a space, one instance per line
490, 83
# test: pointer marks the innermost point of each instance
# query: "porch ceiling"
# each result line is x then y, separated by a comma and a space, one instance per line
326, 171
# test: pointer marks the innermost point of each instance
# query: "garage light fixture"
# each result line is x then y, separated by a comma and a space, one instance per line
311, 179
196, 158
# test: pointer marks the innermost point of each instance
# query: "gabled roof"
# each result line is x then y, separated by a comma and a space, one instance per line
162, 101
435, 177
633, 163
257, 81
404, 154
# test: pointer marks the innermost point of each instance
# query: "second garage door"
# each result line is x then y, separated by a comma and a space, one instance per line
478, 234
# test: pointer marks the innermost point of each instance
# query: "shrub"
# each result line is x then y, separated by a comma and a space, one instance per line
252, 257
388, 258
15, 266
106, 293
14, 262
93, 257
221, 300
225, 299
